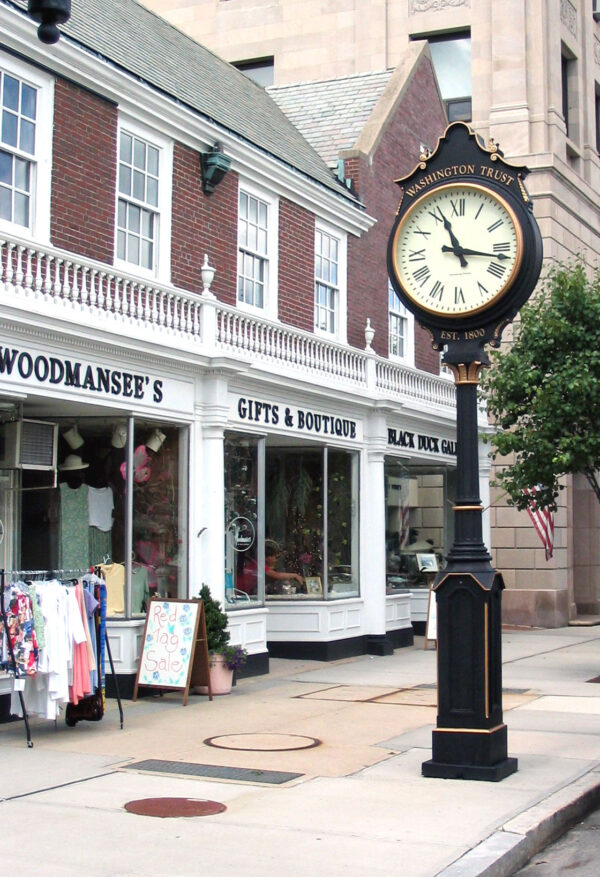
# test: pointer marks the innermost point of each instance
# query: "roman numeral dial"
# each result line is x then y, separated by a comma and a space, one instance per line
457, 249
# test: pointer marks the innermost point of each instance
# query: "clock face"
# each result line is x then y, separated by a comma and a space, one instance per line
457, 249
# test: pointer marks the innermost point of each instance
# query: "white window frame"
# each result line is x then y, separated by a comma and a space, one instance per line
402, 313
340, 332
161, 269
269, 308
41, 161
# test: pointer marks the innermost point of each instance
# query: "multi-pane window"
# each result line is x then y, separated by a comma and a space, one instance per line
451, 56
138, 205
398, 325
17, 148
253, 250
327, 251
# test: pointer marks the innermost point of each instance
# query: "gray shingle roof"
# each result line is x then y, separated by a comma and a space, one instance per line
139, 41
332, 113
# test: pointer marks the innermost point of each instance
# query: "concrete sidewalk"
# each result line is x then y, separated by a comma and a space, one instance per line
319, 767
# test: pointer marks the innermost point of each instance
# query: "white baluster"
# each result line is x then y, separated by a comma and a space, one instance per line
57, 283
66, 287
3, 256
9, 267
48, 277
75, 285
37, 284
94, 289
101, 295
130, 300
28, 271
120, 289
147, 308
196, 321
85, 291
161, 307
20, 275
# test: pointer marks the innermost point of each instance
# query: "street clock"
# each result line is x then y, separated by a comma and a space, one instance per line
465, 251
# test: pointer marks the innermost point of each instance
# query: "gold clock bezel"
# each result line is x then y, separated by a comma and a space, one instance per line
496, 196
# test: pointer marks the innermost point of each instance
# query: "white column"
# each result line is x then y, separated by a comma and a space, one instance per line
373, 526
207, 488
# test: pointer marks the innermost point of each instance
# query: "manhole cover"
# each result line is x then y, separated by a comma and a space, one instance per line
262, 742
172, 808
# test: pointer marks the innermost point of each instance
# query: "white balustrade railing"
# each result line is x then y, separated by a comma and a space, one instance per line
52, 275
395, 380
300, 350
43, 279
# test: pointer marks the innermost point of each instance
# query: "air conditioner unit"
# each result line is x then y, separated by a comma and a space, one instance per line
28, 444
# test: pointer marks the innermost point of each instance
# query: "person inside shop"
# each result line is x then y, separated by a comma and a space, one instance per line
274, 578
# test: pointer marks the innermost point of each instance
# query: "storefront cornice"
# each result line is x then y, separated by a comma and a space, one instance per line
61, 337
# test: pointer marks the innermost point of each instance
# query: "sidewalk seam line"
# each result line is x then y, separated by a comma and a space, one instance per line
59, 786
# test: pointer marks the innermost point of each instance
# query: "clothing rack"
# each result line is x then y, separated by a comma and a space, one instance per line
14, 661
98, 572
47, 575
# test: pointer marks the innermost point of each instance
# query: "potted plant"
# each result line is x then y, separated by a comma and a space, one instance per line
223, 658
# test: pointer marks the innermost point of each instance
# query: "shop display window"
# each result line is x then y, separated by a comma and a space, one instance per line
159, 513
416, 500
244, 554
311, 524
96, 515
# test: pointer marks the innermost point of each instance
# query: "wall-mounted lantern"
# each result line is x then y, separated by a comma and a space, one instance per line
49, 13
215, 164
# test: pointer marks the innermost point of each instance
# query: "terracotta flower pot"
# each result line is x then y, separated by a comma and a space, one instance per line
221, 676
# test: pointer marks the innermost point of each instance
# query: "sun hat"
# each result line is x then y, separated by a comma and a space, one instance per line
119, 435
73, 462
73, 438
156, 440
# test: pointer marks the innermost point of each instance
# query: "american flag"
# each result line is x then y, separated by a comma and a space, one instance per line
542, 520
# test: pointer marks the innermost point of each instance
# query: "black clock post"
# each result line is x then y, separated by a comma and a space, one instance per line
464, 270
470, 740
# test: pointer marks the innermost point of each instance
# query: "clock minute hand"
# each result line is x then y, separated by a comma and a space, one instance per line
456, 247
468, 252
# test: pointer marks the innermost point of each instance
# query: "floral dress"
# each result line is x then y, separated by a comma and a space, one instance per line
21, 631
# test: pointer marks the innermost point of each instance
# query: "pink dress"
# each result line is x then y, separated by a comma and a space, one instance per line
80, 686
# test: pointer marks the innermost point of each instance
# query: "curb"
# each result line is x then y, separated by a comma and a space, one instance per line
512, 846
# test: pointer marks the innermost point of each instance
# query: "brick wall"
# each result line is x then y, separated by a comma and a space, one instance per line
83, 172
419, 119
203, 224
296, 265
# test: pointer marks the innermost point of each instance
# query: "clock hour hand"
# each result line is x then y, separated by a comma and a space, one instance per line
468, 252
456, 247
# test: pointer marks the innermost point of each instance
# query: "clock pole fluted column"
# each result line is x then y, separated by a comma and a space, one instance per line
468, 534
470, 739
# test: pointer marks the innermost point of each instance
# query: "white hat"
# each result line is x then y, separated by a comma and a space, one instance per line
72, 437
73, 462
119, 435
156, 440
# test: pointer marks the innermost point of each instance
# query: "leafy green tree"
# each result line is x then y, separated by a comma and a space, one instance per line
543, 391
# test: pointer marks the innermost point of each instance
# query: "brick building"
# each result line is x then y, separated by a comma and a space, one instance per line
188, 296
526, 74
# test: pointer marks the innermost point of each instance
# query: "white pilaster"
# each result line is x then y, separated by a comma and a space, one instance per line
373, 526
